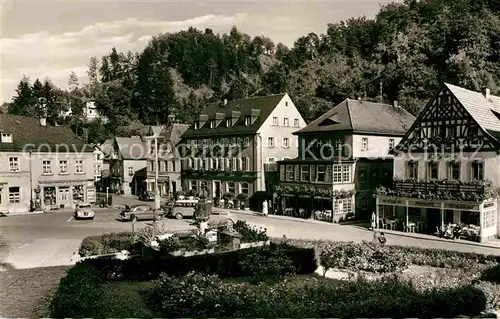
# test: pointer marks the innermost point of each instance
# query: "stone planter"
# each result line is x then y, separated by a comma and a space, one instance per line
255, 244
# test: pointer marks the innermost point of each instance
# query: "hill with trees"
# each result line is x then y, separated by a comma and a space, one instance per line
403, 54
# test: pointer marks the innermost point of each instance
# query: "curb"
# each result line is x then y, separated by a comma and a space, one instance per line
471, 243
298, 220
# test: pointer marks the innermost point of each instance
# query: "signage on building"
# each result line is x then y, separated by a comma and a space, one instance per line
461, 206
91, 196
489, 204
423, 203
392, 201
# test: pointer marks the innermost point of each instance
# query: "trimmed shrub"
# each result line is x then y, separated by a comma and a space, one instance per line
107, 243
248, 233
79, 295
492, 274
274, 265
206, 296
227, 264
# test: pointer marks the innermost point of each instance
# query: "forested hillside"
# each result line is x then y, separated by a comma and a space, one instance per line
403, 54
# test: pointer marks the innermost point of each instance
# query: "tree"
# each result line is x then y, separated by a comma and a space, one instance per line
92, 72
73, 82
23, 103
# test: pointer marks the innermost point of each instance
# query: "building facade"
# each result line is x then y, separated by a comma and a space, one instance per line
42, 167
343, 157
169, 160
447, 168
227, 148
127, 165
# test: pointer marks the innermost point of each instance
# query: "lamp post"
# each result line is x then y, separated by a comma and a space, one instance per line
157, 192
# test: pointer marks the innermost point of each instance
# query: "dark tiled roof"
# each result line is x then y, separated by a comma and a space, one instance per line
132, 148
174, 132
265, 104
27, 131
362, 117
480, 108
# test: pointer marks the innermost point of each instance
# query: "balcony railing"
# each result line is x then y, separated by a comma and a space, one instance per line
440, 190
270, 167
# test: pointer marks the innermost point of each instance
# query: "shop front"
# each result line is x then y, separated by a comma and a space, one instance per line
60, 195
474, 220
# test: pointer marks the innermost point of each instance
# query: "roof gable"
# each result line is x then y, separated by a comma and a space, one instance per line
454, 119
173, 133
130, 148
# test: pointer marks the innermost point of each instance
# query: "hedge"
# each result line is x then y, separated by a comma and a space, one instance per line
79, 294
326, 298
227, 264
107, 243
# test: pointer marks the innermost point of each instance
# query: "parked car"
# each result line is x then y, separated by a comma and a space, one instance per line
84, 211
181, 208
147, 196
140, 212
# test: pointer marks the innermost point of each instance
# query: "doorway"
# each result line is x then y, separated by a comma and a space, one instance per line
433, 219
217, 189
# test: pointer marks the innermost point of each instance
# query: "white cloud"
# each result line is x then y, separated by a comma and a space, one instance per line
43, 54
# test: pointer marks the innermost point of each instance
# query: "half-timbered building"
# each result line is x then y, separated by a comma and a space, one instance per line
447, 167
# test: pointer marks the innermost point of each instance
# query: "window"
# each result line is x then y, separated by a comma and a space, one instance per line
79, 166
63, 167
6, 138
193, 186
477, 171
391, 143
14, 194
248, 120
14, 164
228, 123
286, 103
174, 168
130, 171
364, 144
296, 122
320, 173
432, 170
454, 170
289, 172
246, 142
270, 142
286, 142
489, 219
342, 206
271, 160
412, 169
337, 173
46, 168
275, 121
231, 188
244, 188
196, 125
285, 122
213, 124
244, 164
346, 174
304, 173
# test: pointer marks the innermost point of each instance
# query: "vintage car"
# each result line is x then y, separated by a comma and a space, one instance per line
147, 196
84, 211
181, 208
140, 212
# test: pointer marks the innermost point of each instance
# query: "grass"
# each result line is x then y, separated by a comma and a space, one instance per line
126, 299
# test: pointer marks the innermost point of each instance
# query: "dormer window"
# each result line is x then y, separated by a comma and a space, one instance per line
196, 125
228, 123
6, 138
248, 120
213, 124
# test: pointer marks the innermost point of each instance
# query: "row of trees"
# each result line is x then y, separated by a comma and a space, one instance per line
405, 53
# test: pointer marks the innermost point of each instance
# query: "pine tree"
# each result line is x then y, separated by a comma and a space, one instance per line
23, 103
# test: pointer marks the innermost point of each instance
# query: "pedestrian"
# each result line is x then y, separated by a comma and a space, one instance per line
373, 221
264, 208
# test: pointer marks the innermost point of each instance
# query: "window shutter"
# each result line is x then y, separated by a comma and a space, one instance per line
313, 173
297, 173
282, 172
248, 164
329, 173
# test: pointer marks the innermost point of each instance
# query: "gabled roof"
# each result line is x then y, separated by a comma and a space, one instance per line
362, 117
153, 130
266, 104
483, 110
173, 133
131, 148
107, 146
28, 132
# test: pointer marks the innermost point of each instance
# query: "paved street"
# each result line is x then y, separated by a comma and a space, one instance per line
38, 245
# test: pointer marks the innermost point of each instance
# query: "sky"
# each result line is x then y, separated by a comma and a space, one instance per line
49, 39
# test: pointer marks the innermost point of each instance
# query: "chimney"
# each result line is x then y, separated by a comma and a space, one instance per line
395, 104
487, 95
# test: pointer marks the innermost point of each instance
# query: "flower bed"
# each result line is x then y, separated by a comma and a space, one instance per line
107, 244
250, 234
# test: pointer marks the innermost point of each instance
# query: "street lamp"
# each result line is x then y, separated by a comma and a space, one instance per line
157, 192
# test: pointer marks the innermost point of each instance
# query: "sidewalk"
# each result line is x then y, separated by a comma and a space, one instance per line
495, 243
